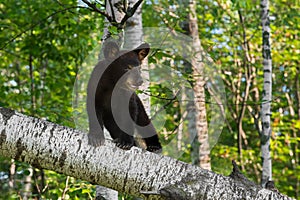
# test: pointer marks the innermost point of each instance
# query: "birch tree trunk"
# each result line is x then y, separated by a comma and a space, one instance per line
141, 173
112, 11
199, 92
133, 38
134, 28
117, 14
266, 95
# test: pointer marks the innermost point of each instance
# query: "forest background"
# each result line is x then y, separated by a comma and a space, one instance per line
44, 43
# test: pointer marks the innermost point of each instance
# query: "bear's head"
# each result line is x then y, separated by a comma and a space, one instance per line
125, 66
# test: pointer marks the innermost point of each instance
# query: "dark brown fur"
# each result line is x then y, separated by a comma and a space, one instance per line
119, 74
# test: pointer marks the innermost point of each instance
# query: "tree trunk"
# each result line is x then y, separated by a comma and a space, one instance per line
12, 173
199, 92
104, 192
50, 146
28, 184
117, 14
132, 39
266, 95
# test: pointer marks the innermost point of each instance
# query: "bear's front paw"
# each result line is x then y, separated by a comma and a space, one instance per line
96, 139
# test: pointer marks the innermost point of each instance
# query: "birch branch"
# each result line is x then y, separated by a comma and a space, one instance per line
50, 146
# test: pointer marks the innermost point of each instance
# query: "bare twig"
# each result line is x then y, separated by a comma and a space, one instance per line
130, 12
112, 11
94, 8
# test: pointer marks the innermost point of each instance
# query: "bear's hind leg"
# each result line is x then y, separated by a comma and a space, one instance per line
144, 125
122, 139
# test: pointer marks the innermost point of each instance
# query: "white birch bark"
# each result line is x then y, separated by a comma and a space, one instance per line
132, 39
266, 95
199, 92
112, 11
50, 146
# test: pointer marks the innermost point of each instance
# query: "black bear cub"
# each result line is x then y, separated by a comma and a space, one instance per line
112, 101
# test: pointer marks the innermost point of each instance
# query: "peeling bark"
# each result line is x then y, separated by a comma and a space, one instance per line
50, 146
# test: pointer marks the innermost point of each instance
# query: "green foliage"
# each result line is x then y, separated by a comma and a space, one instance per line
43, 44
223, 34
230, 32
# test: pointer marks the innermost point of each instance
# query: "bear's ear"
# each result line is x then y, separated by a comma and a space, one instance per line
142, 51
111, 50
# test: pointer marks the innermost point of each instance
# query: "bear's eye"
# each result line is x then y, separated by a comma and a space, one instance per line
130, 66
